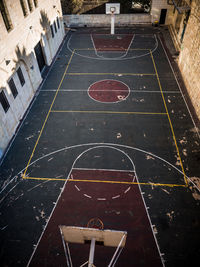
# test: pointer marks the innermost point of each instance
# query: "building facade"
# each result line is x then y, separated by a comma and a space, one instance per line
183, 19
31, 32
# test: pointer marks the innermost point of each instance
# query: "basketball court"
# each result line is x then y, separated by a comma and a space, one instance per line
105, 145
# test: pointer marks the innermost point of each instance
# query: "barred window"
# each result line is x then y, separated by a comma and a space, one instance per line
55, 27
52, 32
24, 7
58, 23
20, 76
5, 15
30, 5
13, 88
4, 101
35, 3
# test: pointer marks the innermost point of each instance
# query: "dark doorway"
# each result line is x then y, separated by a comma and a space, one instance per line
162, 16
39, 56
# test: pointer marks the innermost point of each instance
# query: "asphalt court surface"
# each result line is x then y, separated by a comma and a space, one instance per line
69, 135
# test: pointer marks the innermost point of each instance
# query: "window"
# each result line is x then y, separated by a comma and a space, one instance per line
5, 15
21, 76
24, 8
55, 26
30, 5
58, 23
35, 3
4, 101
13, 87
52, 32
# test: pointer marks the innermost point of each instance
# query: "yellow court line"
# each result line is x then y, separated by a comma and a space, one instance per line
100, 181
106, 112
169, 119
41, 131
121, 74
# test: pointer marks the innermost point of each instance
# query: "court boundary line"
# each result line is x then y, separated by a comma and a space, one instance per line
169, 119
47, 116
196, 128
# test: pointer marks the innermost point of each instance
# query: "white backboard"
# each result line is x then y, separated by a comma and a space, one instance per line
80, 235
112, 8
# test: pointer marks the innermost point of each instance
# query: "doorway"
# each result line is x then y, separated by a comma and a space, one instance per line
39, 56
163, 14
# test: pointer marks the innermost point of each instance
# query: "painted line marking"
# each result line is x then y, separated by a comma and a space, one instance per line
106, 112
43, 126
100, 181
130, 49
116, 197
169, 119
87, 196
126, 191
121, 74
131, 90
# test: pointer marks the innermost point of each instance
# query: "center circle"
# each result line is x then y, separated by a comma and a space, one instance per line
109, 91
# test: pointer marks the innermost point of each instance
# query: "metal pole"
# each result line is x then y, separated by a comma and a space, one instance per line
112, 23
91, 256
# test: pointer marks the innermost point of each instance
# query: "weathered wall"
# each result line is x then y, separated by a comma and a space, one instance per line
17, 50
104, 20
189, 58
156, 6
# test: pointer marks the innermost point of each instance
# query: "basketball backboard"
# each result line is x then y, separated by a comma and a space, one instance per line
112, 8
82, 235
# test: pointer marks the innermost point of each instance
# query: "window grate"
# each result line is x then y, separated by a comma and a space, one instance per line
4, 101
21, 76
13, 87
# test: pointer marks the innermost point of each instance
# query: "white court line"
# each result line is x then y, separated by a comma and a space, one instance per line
125, 52
132, 91
151, 225
196, 128
98, 58
110, 147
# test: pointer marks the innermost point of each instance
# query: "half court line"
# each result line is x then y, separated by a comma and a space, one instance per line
132, 91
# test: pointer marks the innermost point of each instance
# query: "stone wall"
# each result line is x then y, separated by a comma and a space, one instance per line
104, 20
189, 58
17, 50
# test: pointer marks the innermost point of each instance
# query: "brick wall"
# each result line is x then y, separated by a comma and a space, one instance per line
189, 59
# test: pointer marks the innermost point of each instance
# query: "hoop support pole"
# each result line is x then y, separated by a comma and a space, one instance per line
112, 24
91, 255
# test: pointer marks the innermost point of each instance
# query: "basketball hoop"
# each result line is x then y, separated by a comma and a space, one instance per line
95, 223
112, 9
